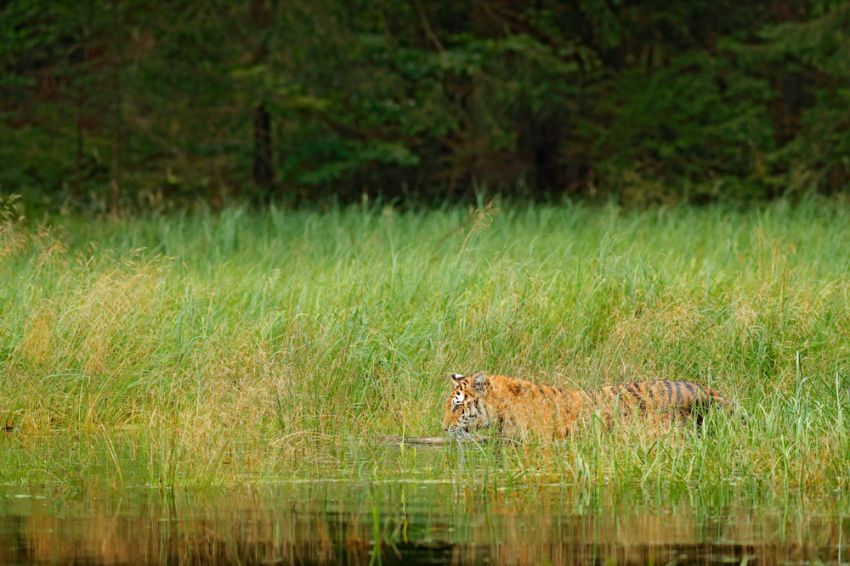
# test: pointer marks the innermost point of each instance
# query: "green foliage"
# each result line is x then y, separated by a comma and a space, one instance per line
692, 121
110, 104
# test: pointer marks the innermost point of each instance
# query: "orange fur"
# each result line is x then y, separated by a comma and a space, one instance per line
518, 407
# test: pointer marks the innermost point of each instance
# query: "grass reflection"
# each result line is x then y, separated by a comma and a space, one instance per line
393, 522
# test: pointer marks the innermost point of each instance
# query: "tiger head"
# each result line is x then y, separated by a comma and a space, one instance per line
466, 408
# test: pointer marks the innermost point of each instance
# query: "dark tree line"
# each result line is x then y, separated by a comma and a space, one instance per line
115, 103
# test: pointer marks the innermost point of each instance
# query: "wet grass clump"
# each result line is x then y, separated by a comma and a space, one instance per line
206, 348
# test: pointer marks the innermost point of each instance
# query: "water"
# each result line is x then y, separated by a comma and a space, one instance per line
409, 522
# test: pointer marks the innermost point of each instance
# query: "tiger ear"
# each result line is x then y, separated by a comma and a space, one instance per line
457, 377
480, 382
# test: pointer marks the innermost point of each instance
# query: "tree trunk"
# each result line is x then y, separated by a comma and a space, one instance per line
78, 153
116, 129
263, 162
263, 170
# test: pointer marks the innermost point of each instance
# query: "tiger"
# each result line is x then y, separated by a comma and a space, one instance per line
519, 408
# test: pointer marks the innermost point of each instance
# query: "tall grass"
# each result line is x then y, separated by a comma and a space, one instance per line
217, 347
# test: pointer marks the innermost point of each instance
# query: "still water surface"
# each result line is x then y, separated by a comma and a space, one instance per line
395, 522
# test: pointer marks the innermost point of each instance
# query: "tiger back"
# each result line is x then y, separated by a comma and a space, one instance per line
519, 408
662, 401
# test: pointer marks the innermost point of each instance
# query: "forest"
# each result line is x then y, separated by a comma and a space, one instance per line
111, 105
